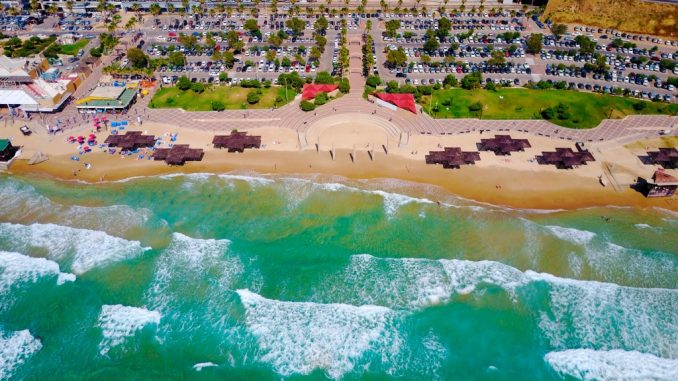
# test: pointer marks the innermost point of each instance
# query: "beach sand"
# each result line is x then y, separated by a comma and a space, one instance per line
515, 181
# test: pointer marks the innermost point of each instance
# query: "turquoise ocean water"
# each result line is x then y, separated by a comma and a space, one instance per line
207, 277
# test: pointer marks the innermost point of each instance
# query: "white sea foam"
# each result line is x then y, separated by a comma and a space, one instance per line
15, 349
200, 366
81, 249
119, 322
581, 237
607, 316
618, 365
299, 337
22, 202
15, 267
610, 260
571, 312
182, 268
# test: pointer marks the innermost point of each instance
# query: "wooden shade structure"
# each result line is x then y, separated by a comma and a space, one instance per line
662, 185
452, 157
178, 154
666, 157
503, 144
236, 141
131, 140
565, 158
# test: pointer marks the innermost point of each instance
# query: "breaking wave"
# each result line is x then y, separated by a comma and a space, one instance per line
15, 349
119, 322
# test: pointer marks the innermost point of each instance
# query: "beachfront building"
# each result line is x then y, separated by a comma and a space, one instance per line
661, 185
108, 98
31, 85
7, 150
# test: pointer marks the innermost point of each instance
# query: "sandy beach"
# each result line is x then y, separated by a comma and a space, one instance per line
516, 180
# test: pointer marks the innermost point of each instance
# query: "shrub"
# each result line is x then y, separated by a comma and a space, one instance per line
446, 102
253, 97
218, 106
475, 107
490, 86
425, 90
198, 87
253, 83
548, 113
320, 99
639, 106
373, 81
307, 106
344, 86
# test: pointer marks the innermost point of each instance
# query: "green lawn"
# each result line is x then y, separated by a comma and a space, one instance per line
234, 98
586, 110
72, 49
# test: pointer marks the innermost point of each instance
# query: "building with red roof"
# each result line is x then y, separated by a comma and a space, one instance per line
311, 90
404, 101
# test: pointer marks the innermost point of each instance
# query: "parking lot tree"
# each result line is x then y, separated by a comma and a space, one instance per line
450, 81
95, 52
392, 86
431, 45
558, 30
391, 27
184, 83
223, 76
228, 58
672, 81
396, 58
444, 26
667, 64
296, 25
324, 77
601, 63
270, 55
534, 43
472, 80
137, 58
250, 25
189, 41
408, 34
320, 25
586, 45
560, 85
176, 59
291, 80
617, 42
301, 49
286, 62
154, 9
320, 42
425, 59
314, 54
497, 58
512, 48
373, 81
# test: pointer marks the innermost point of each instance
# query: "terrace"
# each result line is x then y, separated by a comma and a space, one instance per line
666, 157
452, 157
236, 141
131, 140
565, 158
503, 145
178, 154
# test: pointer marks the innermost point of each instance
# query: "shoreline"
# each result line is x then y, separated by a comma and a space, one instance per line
471, 183
514, 181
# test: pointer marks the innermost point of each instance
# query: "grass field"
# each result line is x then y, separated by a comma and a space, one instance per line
72, 49
234, 98
636, 16
586, 110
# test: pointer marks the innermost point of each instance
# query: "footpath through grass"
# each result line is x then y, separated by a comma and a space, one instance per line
583, 110
73, 49
233, 98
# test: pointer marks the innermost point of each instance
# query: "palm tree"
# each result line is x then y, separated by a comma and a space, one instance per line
170, 8
309, 11
154, 9
69, 6
184, 3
